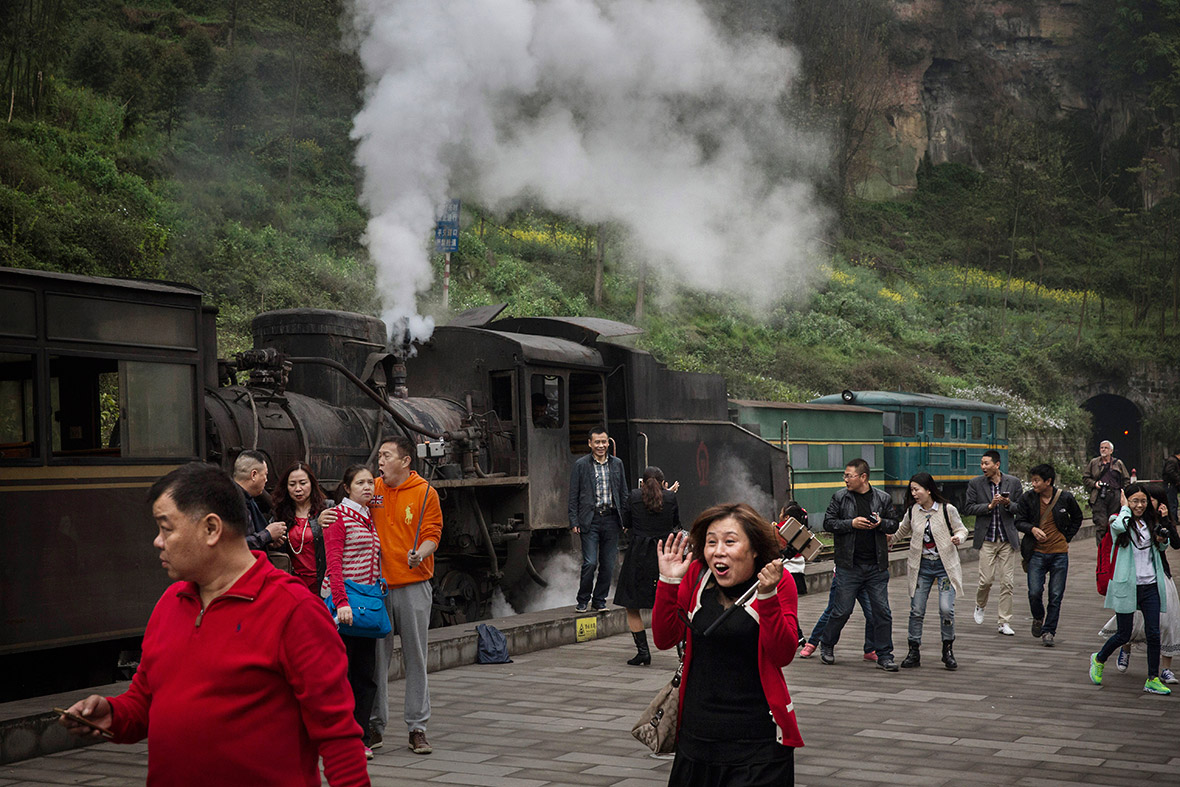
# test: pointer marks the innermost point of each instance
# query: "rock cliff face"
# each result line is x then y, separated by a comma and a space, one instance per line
958, 66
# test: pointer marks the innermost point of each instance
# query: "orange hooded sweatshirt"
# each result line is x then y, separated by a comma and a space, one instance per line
395, 513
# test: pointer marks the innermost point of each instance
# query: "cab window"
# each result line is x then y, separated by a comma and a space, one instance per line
546, 400
105, 407
17, 425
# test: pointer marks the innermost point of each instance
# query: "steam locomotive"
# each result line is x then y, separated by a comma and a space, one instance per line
105, 385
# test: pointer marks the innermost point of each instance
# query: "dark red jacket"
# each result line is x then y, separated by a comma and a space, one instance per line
778, 638
253, 690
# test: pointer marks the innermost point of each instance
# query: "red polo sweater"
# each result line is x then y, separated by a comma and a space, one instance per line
251, 690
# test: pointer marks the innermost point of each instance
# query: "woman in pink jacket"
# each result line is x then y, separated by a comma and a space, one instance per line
736, 721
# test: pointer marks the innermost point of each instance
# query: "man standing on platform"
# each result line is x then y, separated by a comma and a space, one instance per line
1105, 477
992, 499
250, 476
860, 517
243, 679
408, 519
1051, 517
597, 511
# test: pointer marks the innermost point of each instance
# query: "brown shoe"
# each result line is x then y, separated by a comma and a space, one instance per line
418, 742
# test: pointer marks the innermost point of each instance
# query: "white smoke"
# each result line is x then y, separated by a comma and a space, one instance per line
733, 475
642, 113
562, 570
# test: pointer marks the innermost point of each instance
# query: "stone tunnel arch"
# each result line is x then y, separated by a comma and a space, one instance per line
1119, 420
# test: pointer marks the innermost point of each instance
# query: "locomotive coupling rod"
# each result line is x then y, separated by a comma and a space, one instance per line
369, 392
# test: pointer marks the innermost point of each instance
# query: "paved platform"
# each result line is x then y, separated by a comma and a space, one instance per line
1015, 713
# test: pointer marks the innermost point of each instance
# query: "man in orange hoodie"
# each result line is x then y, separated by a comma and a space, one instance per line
408, 518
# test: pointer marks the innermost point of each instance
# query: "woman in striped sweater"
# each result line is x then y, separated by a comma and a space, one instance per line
354, 553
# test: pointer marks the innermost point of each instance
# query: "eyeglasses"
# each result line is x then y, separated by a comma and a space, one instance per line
852, 475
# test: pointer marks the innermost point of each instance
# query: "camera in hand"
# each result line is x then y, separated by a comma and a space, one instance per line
1163, 531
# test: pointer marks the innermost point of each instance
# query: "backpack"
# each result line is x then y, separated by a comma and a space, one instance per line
492, 647
1106, 558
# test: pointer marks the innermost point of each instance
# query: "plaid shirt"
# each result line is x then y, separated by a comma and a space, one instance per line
602, 497
995, 532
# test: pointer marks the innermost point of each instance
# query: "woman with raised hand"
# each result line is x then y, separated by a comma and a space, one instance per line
1138, 583
736, 723
935, 530
298, 502
654, 514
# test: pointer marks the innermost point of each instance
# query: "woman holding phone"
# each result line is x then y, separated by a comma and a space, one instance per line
736, 722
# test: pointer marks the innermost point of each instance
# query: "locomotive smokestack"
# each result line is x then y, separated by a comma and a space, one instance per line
401, 347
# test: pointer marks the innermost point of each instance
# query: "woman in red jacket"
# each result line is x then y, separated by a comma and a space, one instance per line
736, 722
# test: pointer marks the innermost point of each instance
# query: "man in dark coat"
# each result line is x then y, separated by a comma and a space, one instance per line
1105, 477
992, 499
597, 509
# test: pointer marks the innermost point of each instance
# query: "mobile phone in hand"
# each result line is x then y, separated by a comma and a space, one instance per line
85, 722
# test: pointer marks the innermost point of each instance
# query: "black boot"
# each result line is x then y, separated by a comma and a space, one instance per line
948, 655
913, 658
643, 657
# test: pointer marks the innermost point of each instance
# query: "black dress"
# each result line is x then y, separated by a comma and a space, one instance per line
638, 577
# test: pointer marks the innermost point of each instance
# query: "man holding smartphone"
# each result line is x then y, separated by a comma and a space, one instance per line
860, 517
992, 499
238, 658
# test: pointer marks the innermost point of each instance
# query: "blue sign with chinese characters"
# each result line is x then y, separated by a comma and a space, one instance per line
446, 232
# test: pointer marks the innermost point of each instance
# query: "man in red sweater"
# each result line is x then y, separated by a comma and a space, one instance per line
243, 679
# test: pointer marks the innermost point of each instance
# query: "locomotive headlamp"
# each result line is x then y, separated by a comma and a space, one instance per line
432, 449
847, 395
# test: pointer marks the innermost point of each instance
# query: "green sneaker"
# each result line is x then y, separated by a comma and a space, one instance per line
1096, 668
1156, 686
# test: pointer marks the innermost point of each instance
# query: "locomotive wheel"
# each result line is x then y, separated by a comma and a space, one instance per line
459, 599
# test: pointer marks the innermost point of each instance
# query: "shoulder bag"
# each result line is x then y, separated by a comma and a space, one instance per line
656, 728
370, 618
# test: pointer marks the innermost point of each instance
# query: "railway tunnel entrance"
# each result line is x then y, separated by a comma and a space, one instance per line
1117, 419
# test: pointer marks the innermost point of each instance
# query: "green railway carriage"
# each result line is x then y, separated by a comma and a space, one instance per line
820, 438
937, 434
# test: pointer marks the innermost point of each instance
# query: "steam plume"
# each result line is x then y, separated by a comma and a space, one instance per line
644, 113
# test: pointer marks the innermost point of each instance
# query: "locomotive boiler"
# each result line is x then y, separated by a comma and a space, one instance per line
105, 385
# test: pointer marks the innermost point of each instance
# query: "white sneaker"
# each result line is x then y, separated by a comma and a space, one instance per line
979, 615
1167, 676
1006, 630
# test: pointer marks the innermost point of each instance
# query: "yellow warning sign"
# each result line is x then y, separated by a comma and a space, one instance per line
587, 629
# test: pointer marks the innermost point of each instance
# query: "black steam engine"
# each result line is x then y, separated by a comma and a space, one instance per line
107, 384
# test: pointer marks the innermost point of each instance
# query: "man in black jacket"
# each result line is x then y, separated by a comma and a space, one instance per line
250, 476
1050, 517
597, 512
1172, 480
860, 517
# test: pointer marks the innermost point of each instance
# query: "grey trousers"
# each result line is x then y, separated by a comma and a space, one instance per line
409, 609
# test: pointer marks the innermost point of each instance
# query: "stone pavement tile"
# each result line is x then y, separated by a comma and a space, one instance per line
628, 773
485, 781
595, 758
54, 763
940, 740
1138, 765
109, 753
116, 781
24, 773
885, 777
1005, 745
505, 741
1085, 762
127, 769
476, 768
637, 783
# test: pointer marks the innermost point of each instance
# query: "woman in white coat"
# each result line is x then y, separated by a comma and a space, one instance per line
935, 531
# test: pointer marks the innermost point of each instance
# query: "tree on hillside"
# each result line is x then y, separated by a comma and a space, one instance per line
845, 64
173, 82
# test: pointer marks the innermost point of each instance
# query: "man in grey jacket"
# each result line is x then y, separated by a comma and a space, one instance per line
860, 517
597, 512
1105, 477
991, 499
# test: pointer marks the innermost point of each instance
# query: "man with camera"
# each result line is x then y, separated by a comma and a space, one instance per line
991, 499
860, 518
1105, 478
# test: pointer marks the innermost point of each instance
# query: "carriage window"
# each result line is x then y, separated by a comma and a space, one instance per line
869, 454
799, 457
110, 408
17, 312
921, 421
954, 427
907, 425
17, 436
890, 421
1001, 429
546, 397
835, 456
117, 322
939, 425
976, 428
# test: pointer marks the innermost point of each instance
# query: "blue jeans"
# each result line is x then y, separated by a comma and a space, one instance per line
875, 582
866, 607
600, 549
1147, 599
929, 573
1056, 566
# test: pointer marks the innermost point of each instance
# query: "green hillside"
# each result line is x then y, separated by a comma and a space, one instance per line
208, 142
